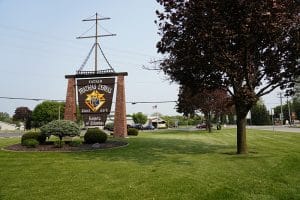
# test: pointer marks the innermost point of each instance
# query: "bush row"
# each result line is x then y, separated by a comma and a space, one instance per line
38, 136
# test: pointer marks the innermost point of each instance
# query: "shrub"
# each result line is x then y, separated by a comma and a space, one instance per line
61, 128
132, 131
40, 137
76, 141
59, 143
31, 143
95, 135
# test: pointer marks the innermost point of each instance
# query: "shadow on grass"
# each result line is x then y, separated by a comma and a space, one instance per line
149, 150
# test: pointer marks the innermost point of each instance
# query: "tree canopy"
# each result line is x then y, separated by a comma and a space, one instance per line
61, 128
260, 115
248, 47
46, 112
139, 118
4, 116
210, 102
22, 114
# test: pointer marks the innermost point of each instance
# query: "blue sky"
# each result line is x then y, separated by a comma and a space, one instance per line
38, 48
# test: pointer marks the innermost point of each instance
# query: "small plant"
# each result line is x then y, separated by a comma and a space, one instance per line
31, 143
132, 131
76, 141
59, 143
40, 137
95, 135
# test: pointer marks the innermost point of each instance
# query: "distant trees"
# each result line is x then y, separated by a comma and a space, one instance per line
294, 106
139, 118
4, 116
46, 112
210, 102
260, 115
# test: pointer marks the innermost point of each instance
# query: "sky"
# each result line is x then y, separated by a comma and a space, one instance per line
39, 47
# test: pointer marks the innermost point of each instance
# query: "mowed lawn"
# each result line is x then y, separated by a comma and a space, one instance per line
160, 165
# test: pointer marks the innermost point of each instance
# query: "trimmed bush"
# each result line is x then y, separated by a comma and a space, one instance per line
61, 128
31, 143
59, 143
95, 135
132, 131
40, 137
76, 141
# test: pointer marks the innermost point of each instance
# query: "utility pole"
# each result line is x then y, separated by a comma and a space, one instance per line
281, 112
96, 44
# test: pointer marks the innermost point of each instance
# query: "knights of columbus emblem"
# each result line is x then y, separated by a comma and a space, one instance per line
94, 100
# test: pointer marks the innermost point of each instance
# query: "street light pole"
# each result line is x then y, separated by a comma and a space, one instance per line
272, 112
59, 112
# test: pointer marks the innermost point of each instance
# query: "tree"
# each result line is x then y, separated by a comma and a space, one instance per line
23, 114
297, 89
248, 47
260, 114
296, 107
210, 102
46, 112
139, 118
4, 116
61, 128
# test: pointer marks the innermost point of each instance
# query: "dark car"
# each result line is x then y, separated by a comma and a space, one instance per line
202, 126
137, 126
148, 127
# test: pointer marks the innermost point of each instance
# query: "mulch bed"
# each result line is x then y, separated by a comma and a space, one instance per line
67, 148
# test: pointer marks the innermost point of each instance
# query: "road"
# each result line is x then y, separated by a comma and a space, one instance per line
4, 134
268, 128
276, 128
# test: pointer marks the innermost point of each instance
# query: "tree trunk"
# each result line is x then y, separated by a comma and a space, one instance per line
241, 134
208, 125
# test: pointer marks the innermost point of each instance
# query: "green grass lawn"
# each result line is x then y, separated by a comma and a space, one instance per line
160, 165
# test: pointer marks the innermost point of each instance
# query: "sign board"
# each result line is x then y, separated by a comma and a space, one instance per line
95, 99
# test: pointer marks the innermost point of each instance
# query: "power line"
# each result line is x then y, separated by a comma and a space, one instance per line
71, 42
30, 99
59, 100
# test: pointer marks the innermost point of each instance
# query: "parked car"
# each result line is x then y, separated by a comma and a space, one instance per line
109, 127
202, 126
148, 127
137, 126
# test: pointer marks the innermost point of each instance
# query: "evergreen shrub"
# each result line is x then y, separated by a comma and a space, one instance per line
40, 137
132, 131
95, 135
31, 143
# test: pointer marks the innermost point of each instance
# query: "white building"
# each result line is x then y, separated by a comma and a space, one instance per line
153, 121
7, 127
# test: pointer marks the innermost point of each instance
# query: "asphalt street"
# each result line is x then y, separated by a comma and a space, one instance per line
4, 134
276, 128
